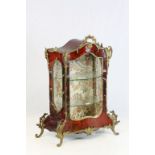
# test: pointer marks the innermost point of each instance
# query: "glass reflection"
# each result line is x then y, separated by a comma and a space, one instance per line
57, 82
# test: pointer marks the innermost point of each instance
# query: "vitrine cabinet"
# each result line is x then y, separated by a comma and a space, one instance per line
78, 89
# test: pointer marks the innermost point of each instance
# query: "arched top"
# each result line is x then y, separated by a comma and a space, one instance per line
75, 44
76, 48
70, 46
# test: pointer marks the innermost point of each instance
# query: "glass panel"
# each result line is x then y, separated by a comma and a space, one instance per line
86, 87
57, 82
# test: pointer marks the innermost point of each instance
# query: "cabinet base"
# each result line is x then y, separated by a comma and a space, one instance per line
62, 128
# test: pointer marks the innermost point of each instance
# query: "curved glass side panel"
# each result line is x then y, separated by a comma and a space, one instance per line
57, 82
86, 87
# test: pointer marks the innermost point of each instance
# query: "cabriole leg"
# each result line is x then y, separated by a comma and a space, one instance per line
41, 132
61, 140
113, 117
59, 131
113, 130
41, 125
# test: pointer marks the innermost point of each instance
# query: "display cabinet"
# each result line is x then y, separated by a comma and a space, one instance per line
78, 89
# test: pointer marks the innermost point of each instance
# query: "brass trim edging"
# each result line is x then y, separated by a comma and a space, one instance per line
89, 130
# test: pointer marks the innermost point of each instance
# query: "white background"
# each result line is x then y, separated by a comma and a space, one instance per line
13, 77
52, 23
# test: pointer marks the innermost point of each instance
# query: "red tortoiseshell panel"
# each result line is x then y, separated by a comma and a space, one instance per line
101, 121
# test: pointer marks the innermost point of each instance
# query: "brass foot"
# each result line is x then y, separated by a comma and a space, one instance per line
61, 140
89, 131
113, 130
41, 125
59, 131
113, 117
41, 132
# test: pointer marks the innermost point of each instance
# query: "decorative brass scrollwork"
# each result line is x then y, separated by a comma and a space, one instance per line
108, 51
41, 125
90, 37
113, 117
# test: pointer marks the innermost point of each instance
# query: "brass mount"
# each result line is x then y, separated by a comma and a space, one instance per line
41, 125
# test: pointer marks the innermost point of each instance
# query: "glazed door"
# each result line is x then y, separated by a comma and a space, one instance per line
86, 87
